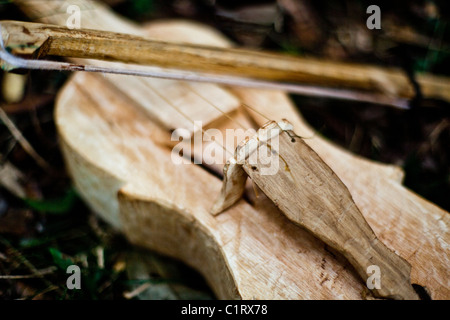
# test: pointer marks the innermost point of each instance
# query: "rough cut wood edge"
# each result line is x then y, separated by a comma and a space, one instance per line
310, 194
233, 187
201, 252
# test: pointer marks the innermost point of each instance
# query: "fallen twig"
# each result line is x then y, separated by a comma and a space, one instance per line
38, 274
21, 139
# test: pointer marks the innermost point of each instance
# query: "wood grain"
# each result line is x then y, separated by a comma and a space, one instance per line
310, 194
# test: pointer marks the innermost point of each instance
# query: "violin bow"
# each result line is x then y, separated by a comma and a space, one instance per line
263, 70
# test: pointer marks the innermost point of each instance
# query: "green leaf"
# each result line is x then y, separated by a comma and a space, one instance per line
141, 7
59, 259
55, 206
